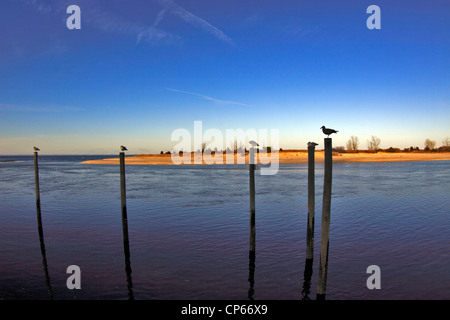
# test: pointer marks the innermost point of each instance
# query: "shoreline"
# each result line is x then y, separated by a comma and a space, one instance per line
300, 156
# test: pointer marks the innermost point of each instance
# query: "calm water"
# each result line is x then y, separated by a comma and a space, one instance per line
188, 231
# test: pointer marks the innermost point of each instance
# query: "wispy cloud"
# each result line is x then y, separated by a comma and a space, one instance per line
191, 18
111, 23
95, 14
99, 17
153, 33
202, 96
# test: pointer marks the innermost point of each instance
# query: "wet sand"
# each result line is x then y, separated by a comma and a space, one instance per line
300, 156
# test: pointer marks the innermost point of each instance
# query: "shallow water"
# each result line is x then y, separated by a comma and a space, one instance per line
188, 231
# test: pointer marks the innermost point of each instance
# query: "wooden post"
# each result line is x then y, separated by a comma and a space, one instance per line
251, 168
311, 203
123, 197
310, 227
39, 223
38, 200
36, 187
325, 232
126, 243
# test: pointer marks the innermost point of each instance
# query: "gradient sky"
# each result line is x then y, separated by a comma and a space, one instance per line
138, 70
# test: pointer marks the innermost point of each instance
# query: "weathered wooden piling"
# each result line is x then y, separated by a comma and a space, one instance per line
311, 202
251, 168
36, 187
123, 197
39, 224
325, 231
310, 226
38, 202
126, 243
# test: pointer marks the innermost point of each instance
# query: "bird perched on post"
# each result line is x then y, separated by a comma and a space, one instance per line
36, 149
312, 144
123, 148
328, 131
253, 143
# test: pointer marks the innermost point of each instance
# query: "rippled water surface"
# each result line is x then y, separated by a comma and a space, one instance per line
189, 226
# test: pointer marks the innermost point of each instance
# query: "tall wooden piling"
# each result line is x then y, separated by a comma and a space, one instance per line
39, 224
123, 197
36, 187
126, 243
38, 201
325, 231
310, 226
251, 168
311, 203
252, 247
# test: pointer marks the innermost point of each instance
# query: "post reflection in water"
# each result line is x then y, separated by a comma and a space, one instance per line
126, 249
307, 279
251, 274
44, 258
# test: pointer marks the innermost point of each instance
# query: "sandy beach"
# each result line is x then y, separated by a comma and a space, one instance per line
294, 156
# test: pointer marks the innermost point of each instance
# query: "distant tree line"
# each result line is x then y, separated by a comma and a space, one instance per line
373, 145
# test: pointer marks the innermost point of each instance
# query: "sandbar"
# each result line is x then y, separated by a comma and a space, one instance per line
292, 156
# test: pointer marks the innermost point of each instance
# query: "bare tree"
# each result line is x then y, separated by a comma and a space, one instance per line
429, 144
352, 144
374, 143
446, 142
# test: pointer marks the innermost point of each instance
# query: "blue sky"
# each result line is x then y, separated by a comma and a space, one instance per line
138, 70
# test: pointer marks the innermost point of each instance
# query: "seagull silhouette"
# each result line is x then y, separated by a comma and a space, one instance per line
36, 149
328, 131
123, 148
312, 144
253, 143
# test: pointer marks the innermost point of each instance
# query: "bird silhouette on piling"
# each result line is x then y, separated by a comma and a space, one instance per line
36, 149
123, 148
312, 144
328, 131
